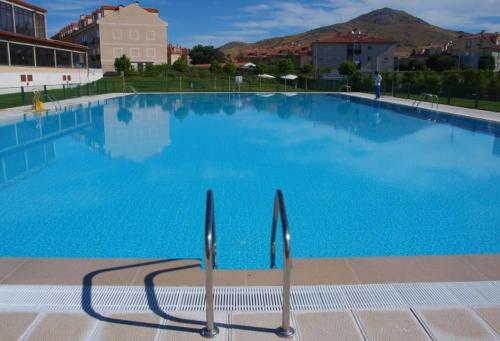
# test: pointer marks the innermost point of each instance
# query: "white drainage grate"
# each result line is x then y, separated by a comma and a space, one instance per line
265, 299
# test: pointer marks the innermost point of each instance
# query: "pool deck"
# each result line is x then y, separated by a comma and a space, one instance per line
440, 321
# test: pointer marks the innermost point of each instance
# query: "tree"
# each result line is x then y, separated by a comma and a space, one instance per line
286, 66
180, 65
215, 67
229, 68
201, 54
123, 64
347, 68
306, 69
442, 63
486, 63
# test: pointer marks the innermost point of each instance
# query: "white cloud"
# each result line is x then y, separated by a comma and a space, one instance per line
279, 17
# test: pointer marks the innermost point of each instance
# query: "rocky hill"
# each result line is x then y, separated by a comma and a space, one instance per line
409, 31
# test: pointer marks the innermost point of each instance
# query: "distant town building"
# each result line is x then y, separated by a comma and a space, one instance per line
434, 49
176, 52
470, 49
113, 31
368, 53
298, 53
28, 58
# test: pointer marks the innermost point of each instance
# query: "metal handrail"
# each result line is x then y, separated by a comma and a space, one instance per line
210, 330
55, 102
280, 212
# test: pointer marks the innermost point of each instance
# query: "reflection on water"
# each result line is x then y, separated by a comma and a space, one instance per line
127, 178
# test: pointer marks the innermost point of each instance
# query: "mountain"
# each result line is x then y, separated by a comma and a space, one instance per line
409, 31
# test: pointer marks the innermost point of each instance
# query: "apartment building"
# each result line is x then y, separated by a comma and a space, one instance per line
176, 52
28, 58
473, 48
299, 54
112, 31
369, 53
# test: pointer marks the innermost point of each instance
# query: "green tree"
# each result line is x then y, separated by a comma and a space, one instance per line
307, 69
442, 63
347, 68
123, 64
229, 68
286, 66
261, 68
180, 65
201, 54
215, 68
486, 63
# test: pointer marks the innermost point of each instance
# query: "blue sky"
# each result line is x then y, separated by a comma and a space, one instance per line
219, 21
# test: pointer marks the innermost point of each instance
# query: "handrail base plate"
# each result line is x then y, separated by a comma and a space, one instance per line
209, 334
285, 333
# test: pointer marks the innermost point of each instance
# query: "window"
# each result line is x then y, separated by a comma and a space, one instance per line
40, 25
30, 78
134, 35
134, 52
21, 55
118, 52
45, 57
150, 35
4, 58
6, 23
79, 60
63, 58
24, 21
117, 34
151, 53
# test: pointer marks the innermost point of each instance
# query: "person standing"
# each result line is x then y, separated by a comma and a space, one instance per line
377, 82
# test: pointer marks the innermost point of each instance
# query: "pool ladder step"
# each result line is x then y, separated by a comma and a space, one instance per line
279, 214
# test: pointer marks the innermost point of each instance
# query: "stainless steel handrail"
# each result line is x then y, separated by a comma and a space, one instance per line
210, 330
280, 212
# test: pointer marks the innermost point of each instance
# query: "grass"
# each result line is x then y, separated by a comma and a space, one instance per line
460, 102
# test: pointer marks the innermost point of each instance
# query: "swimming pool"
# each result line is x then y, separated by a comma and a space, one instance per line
128, 178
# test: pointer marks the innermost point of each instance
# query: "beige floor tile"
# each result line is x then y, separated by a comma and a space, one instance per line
63, 327
189, 326
124, 331
7, 265
13, 325
455, 325
387, 269
391, 325
170, 273
330, 326
488, 265
449, 269
492, 316
252, 327
224, 278
71, 272
265, 277
328, 271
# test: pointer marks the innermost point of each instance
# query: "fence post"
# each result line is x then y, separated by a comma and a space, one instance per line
180, 83
79, 90
408, 86
45, 92
476, 101
64, 91
97, 87
23, 96
449, 95
88, 89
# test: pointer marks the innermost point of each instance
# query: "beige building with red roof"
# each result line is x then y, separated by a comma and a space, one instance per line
471, 49
369, 53
113, 31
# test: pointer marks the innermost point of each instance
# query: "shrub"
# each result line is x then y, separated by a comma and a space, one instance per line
180, 65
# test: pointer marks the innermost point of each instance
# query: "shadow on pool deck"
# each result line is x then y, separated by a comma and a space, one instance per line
149, 287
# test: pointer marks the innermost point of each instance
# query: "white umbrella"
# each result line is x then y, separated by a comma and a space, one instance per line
290, 77
266, 76
249, 66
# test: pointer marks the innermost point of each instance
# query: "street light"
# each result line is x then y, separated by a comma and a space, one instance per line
355, 33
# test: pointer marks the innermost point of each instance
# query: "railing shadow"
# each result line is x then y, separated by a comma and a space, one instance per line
153, 303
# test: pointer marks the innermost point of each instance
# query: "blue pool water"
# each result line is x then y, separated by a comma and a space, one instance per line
128, 178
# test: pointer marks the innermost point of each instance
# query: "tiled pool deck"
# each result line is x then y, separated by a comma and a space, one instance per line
446, 322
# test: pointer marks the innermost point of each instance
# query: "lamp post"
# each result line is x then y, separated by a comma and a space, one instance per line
355, 34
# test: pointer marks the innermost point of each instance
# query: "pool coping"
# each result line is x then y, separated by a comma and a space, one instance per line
188, 272
12, 114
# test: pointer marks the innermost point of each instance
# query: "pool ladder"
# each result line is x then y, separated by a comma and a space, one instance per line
279, 213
